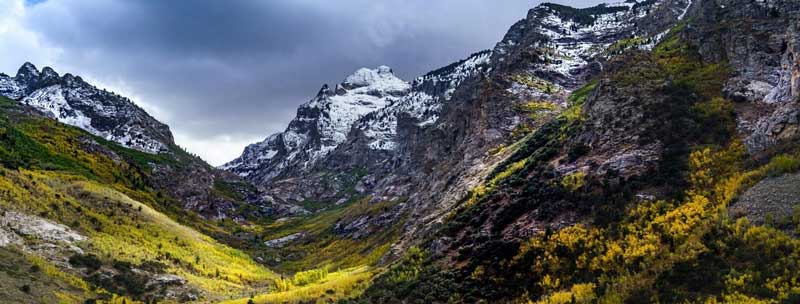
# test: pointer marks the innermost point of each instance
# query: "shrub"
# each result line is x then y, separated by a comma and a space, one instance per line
783, 164
89, 261
310, 276
574, 181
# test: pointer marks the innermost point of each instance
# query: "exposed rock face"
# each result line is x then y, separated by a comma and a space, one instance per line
71, 100
760, 42
279, 242
619, 122
783, 125
53, 241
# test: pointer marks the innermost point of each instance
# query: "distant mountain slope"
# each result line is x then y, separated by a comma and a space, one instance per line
195, 186
73, 101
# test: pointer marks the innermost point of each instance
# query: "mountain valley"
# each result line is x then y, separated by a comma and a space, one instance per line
645, 151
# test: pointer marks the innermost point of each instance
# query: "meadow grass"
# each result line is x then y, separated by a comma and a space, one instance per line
339, 285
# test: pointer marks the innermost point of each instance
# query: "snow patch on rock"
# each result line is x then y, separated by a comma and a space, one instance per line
423, 103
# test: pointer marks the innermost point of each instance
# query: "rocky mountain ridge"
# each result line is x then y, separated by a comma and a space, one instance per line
321, 125
71, 100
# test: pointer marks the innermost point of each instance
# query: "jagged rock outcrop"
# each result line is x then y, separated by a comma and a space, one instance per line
71, 100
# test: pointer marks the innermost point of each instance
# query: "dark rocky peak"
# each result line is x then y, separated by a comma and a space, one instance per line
340, 90
28, 75
324, 91
71, 80
28, 71
49, 73
48, 77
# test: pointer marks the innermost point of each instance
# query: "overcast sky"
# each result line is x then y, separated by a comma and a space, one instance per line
224, 74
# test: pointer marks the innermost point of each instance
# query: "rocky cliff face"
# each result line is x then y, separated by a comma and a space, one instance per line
71, 100
762, 52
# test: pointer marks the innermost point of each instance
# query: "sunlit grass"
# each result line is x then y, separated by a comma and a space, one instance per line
122, 229
335, 286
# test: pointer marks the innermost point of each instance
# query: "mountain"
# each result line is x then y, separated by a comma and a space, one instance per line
71, 100
659, 183
443, 134
86, 220
321, 124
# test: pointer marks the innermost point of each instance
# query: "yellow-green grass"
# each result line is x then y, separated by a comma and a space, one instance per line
28, 278
325, 248
18, 271
536, 83
656, 236
343, 284
120, 228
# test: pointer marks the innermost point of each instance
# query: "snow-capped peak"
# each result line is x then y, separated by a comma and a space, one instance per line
381, 78
321, 125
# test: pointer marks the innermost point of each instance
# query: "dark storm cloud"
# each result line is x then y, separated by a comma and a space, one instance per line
239, 69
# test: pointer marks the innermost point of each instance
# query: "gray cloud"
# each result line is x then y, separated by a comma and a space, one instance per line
235, 71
